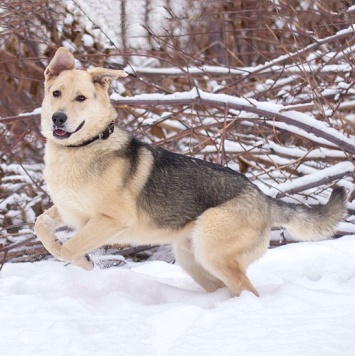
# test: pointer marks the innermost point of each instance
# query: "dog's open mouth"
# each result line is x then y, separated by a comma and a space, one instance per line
59, 133
62, 134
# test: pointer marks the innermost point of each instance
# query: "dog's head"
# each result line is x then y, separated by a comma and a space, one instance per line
76, 105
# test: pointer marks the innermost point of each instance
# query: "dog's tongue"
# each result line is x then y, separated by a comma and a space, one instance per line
59, 132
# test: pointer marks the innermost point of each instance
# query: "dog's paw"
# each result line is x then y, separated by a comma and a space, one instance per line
84, 262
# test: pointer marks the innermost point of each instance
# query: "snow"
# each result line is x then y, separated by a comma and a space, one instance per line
36, 111
299, 152
313, 179
305, 125
205, 69
306, 307
242, 71
88, 40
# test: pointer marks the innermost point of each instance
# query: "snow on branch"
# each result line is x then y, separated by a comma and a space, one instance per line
324, 176
275, 70
277, 66
25, 116
305, 123
340, 35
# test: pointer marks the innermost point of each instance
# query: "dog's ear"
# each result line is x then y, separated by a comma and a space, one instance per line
62, 60
104, 76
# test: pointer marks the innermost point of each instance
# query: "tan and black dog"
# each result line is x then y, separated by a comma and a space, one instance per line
113, 188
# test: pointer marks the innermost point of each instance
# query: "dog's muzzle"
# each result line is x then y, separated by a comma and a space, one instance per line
59, 120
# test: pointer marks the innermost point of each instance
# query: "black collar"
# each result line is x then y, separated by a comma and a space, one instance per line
101, 136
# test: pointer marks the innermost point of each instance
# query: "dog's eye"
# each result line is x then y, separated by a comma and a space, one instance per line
56, 93
80, 98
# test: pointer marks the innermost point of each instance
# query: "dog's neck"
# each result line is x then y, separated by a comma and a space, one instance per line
101, 136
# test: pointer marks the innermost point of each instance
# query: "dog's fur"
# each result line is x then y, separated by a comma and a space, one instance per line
121, 190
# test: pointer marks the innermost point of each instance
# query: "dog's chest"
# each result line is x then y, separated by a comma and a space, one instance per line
68, 178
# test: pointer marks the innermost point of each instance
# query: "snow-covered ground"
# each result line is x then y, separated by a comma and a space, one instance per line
306, 307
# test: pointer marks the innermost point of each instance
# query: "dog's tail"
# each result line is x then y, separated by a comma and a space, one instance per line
311, 224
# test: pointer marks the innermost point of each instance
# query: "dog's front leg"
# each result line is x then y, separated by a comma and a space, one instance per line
44, 228
97, 232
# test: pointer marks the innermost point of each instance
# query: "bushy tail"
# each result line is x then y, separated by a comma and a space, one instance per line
311, 224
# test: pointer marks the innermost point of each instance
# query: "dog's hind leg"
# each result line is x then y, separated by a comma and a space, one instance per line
183, 252
227, 239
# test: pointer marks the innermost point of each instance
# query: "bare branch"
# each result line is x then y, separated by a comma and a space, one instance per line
270, 111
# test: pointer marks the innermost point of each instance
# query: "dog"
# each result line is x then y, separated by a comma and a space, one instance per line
112, 188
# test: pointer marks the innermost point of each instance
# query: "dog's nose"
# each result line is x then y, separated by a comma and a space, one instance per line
59, 119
